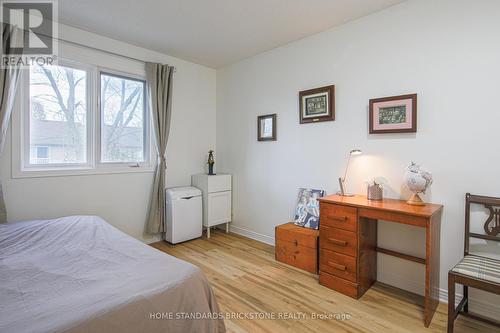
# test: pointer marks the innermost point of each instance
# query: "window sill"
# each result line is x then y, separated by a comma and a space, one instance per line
41, 173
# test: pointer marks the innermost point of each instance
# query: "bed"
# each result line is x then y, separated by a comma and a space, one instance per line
80, 274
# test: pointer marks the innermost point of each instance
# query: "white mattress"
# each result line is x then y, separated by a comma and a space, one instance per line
80, 274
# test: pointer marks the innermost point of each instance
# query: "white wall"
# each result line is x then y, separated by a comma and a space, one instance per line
445, 51
122, 199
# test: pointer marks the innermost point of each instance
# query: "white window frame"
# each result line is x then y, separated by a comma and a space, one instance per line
21, 168
25, 118
147, 123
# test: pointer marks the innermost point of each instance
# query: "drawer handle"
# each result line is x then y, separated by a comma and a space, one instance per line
337, 266
338, 242
338, 218
295, 242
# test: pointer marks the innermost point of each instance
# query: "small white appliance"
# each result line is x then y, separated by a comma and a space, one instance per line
183, 214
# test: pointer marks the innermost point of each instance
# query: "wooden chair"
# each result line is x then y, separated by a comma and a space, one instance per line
475, 271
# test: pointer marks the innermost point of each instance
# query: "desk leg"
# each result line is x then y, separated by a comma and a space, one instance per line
367, 261
432, 236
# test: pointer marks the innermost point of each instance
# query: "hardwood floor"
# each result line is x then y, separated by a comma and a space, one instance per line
247, 280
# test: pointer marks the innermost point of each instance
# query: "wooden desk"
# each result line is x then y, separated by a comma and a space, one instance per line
348, 243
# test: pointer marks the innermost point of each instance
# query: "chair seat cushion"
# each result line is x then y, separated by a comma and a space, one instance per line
479, 268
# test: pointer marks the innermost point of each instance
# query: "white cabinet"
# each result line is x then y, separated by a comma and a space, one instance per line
216, 191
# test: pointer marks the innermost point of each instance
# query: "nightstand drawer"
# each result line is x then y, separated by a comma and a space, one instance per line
338, 240
302, 257
338, 264
297, 235
337, 216
219, 183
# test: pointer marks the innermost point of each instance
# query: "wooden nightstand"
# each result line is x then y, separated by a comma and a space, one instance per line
297, 246
216, 190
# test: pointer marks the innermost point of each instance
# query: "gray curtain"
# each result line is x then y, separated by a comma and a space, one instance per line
159, 82
9, 78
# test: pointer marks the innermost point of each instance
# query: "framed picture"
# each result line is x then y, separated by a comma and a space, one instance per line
317, 105
307, 210
397, 114
266, 127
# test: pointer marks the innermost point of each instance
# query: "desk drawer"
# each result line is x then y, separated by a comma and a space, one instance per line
338, 264
337, 216
342, 286
338, 240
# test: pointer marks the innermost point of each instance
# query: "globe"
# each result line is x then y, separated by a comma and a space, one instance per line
417, 180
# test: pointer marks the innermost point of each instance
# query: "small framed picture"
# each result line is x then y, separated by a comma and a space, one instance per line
266, 127
396, 114
317, 105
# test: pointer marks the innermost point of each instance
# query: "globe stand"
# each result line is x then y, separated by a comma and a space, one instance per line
415, 200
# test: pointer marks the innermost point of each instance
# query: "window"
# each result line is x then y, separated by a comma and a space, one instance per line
58, 115
122, 119
80, 119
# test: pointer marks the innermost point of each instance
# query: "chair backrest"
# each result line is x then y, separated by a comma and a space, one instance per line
492, 224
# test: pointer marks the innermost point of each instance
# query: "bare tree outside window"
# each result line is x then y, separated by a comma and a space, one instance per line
58, 114
122, 124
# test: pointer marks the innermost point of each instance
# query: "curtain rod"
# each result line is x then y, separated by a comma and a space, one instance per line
103, 51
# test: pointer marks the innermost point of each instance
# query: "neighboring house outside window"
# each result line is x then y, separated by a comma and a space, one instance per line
40, 155
79, 117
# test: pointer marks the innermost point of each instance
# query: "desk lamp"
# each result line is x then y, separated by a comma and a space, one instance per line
342, 192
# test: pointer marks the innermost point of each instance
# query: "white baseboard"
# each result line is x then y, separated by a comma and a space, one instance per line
478, 306
252, 235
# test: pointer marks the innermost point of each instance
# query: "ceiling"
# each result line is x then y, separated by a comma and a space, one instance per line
213, 33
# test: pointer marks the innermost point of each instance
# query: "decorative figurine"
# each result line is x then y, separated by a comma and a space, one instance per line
211, 162
417, 181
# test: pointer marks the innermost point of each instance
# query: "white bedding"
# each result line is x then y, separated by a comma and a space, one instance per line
80, 274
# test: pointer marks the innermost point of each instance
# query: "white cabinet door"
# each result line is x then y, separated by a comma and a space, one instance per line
219, 208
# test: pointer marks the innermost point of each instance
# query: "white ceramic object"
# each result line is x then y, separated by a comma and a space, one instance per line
418, 181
